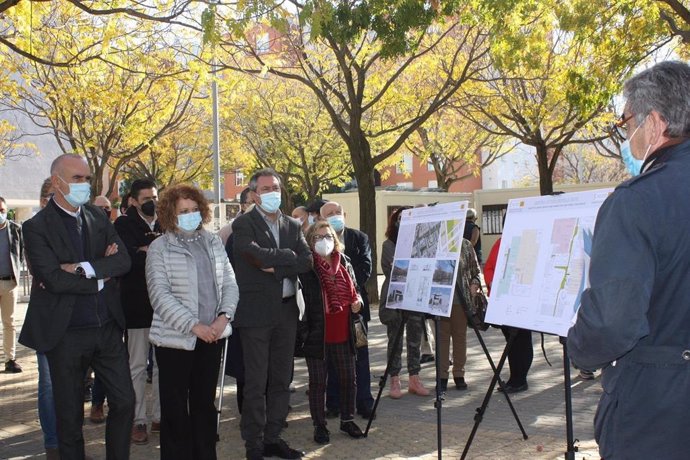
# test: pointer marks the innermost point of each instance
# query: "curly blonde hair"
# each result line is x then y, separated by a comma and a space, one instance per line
167, 205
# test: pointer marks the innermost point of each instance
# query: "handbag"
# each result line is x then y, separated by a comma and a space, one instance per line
477, 312
361, 339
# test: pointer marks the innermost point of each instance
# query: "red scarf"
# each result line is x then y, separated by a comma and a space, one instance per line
337, 288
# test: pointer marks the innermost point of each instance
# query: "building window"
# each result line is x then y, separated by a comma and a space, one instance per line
430, 166
492, 218
405, 164
432, 184
405, 185
239, 178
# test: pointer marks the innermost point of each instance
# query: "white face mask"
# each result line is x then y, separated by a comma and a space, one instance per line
324, 247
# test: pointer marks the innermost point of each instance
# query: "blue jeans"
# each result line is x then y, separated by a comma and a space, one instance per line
46, 404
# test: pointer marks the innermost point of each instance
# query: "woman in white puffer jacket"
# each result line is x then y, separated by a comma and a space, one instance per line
194, 295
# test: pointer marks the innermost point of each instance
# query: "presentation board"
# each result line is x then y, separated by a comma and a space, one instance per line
543, 262
425, 264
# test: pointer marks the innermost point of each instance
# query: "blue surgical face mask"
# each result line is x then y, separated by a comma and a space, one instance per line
189, 222
270, 202
3, 218
79, 193
633, 165
337, 222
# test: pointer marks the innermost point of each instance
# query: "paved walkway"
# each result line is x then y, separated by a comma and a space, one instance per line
404, 428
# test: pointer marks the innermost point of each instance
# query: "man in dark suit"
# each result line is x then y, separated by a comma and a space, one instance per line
137, 229
74, 313
358, 251
11, 255
269, 252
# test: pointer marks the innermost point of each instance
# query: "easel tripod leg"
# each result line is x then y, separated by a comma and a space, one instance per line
384, 377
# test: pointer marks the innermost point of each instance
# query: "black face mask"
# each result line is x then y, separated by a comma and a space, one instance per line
107, 212
149, 208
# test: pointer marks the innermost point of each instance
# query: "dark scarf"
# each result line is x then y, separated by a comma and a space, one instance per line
337, 288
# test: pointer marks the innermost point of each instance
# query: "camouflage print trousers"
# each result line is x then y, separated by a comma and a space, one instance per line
414, 332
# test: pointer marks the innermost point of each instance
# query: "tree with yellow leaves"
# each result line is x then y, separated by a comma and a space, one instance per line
276, 124
555, 68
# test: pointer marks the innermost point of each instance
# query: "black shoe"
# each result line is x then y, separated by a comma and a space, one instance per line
426, 358
516, 389
366, 412
254, 454
12, 366
460, 383
443, 385
351, 429
321, 434
281, 449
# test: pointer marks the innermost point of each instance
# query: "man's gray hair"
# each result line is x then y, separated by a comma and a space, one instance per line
55, 165
471, 213
664, 88
262, 173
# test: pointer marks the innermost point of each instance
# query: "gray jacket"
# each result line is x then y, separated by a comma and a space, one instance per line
171, 278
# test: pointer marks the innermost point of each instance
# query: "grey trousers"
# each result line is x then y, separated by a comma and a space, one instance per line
268, 355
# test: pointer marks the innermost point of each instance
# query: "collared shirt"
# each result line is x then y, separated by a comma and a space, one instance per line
88, 268
274, 227
151, 224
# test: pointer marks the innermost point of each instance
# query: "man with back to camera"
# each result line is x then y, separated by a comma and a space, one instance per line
137, 229
634, 321
11, 256
74, 312
358, 251
269, 251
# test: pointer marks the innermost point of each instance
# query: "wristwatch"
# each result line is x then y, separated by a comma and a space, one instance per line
225, 314
80, 271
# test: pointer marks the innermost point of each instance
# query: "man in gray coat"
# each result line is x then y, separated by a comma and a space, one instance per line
634, 321
269, 252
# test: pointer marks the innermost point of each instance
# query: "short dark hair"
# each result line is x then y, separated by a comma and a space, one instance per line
139, 185
263, 173
46, 189
244, 195
3, 200
124, 204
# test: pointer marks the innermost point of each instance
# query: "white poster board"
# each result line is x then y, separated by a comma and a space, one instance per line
425, 265
543, 262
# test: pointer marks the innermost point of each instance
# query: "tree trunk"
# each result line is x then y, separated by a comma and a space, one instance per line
545, 175
366, 190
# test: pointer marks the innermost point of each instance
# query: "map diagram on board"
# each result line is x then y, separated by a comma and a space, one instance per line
543, 263
425, 265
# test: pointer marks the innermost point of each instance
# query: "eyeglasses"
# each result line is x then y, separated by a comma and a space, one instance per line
323, 237
621, 128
